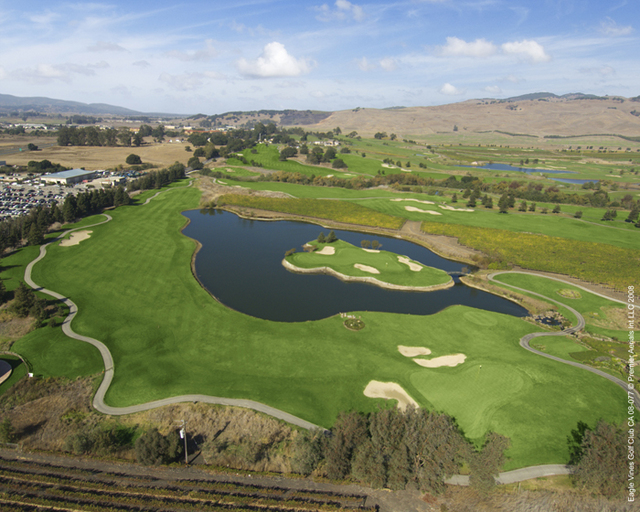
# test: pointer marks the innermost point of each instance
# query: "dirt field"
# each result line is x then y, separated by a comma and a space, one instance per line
90, 157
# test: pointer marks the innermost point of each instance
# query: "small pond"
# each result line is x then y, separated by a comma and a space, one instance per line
507, 167
240, 264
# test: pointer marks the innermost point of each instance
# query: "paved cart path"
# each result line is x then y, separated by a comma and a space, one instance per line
99, 404
98, 399
525, 340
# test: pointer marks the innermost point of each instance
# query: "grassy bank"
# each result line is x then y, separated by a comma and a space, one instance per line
331, 210
590, 261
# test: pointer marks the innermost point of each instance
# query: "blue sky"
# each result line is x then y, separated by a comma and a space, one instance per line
213, 57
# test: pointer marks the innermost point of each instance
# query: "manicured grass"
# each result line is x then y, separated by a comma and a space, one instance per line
334, 210
135, 292
594, 262
52, 354
585, 302
559, 346
619, 234
390, 269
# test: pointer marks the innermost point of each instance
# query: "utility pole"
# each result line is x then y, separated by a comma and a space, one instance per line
183, 435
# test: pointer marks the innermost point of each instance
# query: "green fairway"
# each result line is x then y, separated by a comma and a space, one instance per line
134, 289
53, 354
355, 262
595, 309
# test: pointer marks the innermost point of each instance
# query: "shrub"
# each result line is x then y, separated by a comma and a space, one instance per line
133, 159
152, 448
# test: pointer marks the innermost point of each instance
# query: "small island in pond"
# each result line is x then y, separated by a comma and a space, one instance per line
381, 268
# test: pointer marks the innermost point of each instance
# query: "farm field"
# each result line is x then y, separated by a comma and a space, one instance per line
169, 337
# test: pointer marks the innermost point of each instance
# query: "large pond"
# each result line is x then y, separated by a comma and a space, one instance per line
531, 170
240, 264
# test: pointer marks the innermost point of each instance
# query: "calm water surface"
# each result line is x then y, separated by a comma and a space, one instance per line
240, 264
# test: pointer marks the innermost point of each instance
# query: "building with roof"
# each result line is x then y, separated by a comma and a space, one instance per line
68, 177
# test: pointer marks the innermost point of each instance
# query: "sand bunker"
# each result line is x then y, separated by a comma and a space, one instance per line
366, 268
230, 170
327, 250
389, 391
413, 351
412, 266
370, 250
455, 209
416, 200
437, 362
76, 238
414, 209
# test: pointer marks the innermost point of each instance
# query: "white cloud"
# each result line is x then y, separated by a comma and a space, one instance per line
46, 18
104, 46
184, 82
275, 61
207, 53
602, 71
47, 73
364, 64
450, 90
344, 10
493, 89
459, 48
513, 79
388, 64
610, 28
142, 64
530, 50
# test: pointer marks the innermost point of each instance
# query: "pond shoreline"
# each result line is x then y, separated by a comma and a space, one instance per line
365, 279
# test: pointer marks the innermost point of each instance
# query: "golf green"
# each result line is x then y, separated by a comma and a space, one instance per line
382, 268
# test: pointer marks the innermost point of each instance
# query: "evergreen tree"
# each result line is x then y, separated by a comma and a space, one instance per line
69, 209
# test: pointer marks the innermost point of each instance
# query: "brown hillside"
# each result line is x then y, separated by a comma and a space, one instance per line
563, 117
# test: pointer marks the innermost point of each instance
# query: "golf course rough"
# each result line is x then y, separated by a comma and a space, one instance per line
350, 263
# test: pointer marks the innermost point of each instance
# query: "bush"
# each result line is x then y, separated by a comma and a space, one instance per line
7, 433
133, 160
338, 163
152, 448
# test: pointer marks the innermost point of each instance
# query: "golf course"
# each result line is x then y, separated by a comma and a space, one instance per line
132, 282
350, 263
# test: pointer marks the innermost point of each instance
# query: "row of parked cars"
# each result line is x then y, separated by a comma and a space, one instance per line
17, 200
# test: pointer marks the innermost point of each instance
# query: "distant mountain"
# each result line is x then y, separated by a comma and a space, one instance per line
10, 103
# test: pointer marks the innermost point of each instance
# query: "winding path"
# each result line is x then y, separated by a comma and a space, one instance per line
524, 341
98, 399
99, 404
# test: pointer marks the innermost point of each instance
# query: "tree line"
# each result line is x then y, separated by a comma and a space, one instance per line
415, 448
30, 229
470, 185
158, 179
